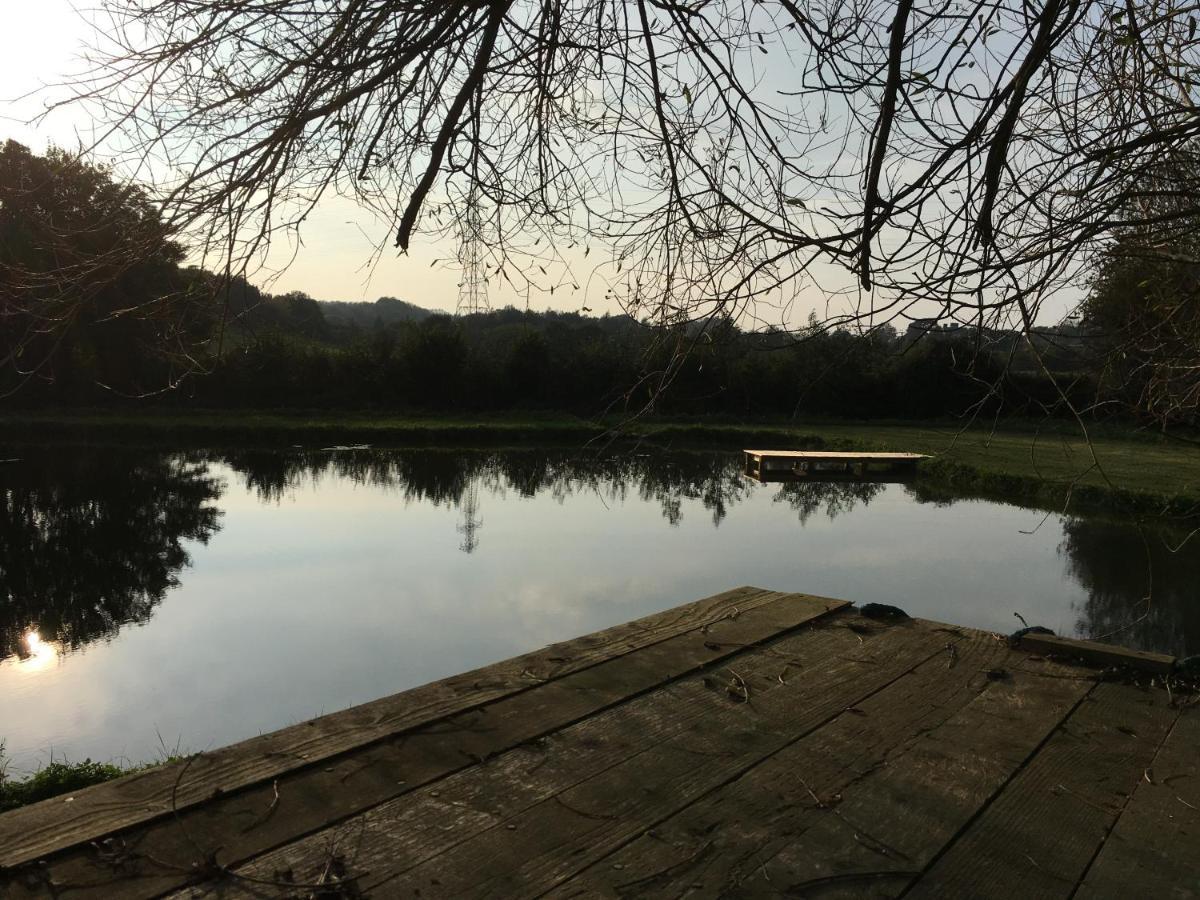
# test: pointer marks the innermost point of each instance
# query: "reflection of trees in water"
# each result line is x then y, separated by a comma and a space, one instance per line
835, 497
1118, 567
436, 477
91, 540
443, 477
1119, 570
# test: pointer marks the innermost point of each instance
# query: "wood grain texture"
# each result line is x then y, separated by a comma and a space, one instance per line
754, 744
234, 827
904, 813
557, 837
33, 832
1039, 835
880, 789
1154, 849
400, 835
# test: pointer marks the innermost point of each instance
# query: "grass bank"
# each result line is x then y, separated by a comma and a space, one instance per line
217, 428
54, 780
1046, 463
1133, 473
60, 777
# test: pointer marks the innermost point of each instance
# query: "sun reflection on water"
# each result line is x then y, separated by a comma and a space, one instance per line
38, 653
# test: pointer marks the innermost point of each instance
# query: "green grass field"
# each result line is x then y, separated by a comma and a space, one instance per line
1138, 464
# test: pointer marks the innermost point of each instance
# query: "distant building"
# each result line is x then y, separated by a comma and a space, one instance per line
919, 328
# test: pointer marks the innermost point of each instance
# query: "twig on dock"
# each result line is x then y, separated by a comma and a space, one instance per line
262, 820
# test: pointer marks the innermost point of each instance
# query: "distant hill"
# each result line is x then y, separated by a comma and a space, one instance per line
386, 310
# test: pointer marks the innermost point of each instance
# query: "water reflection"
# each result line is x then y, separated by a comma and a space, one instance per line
445, 477
92, 541
35, 654
834, 497
1142, 587
456, 478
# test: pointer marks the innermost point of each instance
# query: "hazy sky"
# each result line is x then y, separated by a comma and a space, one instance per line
42, 42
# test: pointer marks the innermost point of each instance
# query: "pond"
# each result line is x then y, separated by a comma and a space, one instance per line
154, 602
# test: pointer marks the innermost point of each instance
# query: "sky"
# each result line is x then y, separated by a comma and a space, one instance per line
42, 43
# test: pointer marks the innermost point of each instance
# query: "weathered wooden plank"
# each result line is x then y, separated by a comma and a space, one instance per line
307, 800
836, 455
788, 465
902, 815
1154, 849
33, 832
1038, 836
554, 838
509, 795
866, 753
879, 789
414, 828
1098, 654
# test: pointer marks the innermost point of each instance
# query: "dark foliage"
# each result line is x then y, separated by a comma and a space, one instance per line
91, 292
90, 542
1144, 310
144, 322
513, 360
384, 311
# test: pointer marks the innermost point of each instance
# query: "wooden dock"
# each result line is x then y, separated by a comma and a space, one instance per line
752, 744
791, 465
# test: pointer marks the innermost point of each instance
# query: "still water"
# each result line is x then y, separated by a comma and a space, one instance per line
184, 601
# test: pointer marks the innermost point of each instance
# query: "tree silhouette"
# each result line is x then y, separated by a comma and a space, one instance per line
960, 160
90, 286
1144, 306
90, 542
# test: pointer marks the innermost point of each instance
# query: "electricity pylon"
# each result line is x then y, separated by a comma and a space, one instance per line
472, 290
470, 521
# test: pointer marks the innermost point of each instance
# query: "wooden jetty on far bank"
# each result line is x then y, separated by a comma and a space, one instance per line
752, 744
820, 465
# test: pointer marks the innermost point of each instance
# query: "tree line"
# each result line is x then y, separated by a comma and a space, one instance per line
285, 352
145, 326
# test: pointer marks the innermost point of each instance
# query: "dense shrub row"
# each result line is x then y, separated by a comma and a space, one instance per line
509, 360
284, 352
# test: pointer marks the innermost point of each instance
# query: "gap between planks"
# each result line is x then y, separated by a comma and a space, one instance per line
1041, 830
